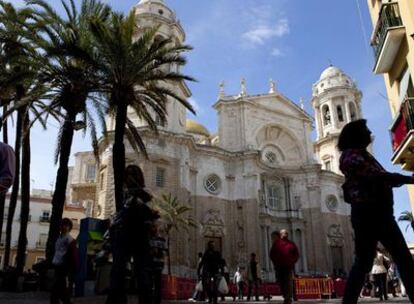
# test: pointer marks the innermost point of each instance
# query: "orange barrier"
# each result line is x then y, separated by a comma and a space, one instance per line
308, 288
327, 287
174, 288
169, 287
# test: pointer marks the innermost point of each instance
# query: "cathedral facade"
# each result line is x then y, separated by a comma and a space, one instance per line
260, 172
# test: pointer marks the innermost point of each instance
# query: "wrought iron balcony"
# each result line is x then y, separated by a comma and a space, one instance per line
387, 37
402, 135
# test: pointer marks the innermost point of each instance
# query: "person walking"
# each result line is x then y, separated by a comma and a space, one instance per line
253, 277
209, 269
379, 272
368, 189
284, 255
159, 249
130, 234
198, 295
403, 292
239, 281
65, 263
392, 280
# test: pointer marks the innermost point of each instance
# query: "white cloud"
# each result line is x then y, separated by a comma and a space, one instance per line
261, 33
276, 52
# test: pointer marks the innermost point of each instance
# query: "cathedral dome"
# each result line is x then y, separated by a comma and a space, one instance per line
194, 127
331, 78
331, 71
154, 7
152, 1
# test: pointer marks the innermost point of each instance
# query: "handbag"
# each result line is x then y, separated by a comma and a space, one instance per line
199, 286
223, 288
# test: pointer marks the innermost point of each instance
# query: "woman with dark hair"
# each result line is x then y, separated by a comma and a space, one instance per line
368, 188
130, 235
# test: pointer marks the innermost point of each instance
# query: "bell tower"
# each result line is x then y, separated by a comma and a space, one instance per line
336, 101
155, 13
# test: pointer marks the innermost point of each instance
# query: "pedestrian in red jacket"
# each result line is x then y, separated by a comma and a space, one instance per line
284, 255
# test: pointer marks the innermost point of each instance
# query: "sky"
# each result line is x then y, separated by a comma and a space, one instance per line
290, 41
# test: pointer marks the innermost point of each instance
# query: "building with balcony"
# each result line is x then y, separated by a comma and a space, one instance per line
393, 45
38, 226
258, 173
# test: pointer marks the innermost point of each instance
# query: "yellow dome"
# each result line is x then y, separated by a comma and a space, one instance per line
196, 128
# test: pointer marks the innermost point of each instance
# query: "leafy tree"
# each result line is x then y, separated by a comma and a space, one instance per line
135, 74
72, 76
408, 217
174, 216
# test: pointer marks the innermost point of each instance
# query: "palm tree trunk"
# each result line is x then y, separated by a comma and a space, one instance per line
59, 195
118, 161
3, 194
25, 195
15, 191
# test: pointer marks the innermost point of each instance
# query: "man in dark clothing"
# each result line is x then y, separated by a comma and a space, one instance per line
130, 234
253, 277
210, 267
284, 255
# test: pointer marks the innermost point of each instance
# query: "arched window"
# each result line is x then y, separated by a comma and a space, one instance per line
274, 196
352, 111
327, 162
340, 113
326, 115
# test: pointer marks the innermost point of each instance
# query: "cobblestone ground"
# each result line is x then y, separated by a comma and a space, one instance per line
42, 298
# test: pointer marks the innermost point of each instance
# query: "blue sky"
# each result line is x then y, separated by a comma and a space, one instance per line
290, 41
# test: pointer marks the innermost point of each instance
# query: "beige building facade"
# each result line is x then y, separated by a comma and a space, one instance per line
260, 172
38, 226
393, 44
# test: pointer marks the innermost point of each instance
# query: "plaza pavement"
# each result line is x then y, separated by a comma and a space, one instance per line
42, 298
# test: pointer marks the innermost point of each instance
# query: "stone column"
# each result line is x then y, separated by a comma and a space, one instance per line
334, 116
347, 111
304, 255
318, 115
268, 242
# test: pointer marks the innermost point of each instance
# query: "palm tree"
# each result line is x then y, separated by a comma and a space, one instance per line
135, 74
30, 104
174, 216
408, 217
17, 49
72, 76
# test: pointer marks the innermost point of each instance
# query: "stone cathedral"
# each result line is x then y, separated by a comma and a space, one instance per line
260, 172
